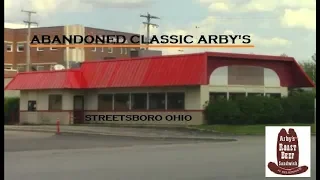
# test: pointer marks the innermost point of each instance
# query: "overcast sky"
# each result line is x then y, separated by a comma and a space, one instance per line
276, 26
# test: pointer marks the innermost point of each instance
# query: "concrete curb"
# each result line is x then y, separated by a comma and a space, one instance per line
132, 136
232, 134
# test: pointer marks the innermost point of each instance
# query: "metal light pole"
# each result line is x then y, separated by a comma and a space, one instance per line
28, 22
197, 27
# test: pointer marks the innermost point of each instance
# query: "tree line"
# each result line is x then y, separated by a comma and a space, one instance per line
309, 66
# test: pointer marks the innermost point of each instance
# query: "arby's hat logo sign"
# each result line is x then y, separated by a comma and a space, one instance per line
287, 154
288, 151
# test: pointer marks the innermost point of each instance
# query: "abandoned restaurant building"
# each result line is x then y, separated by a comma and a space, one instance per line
159, 85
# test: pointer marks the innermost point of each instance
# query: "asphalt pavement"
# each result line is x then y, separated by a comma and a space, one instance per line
164, 132
30, 141
38, 156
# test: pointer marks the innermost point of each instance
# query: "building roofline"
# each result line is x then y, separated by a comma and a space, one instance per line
73, 25
34, 27
249, 56
55, 71
143, 58
208, 54
112, 30
192, 61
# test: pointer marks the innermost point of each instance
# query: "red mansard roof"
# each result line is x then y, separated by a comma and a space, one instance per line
140, 72
65, 79
158, 71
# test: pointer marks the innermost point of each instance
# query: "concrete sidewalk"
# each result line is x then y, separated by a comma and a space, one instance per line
123, 131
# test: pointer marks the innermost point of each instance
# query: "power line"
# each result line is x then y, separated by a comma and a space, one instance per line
148, 24
29, 22
247, 18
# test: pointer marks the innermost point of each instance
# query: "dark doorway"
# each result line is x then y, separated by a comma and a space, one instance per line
78, 109
11, 111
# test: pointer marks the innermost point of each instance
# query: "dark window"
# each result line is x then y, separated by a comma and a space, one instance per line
20, 47
107, 58
134, 53
121, 102
255, 94
236, 96
40, 49
175, 100
55, 102
157, 101
214, 96
53, 48
8, 66
105, 102
139, 101
274, 95
21, 68
8, 47
32, 105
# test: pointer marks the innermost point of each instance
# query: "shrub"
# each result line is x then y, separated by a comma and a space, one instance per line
223, 112
11, 108
260, 110
298, 108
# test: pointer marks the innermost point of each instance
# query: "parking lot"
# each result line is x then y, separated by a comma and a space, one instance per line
38, 156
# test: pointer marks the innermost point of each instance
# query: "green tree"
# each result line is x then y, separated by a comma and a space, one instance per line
314, 58
310, 67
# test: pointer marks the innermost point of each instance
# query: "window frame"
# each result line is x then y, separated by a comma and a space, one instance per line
53, 48
40, 68
40, 49
33, 106
8, 66
19, 67
10, 44
19, 44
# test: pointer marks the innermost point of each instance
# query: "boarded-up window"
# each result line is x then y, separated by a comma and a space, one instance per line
55, 102
245, 75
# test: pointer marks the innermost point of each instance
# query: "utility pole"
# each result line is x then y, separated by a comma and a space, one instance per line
148, 24
29, 22
197, 28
